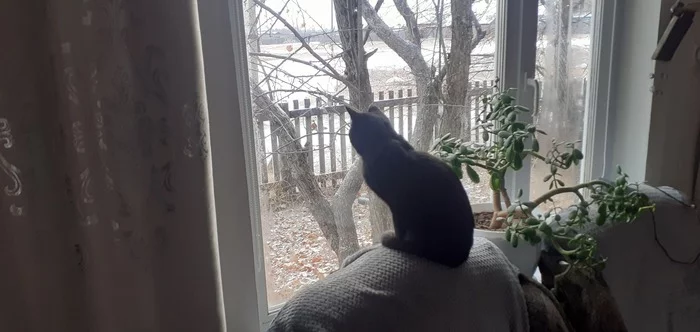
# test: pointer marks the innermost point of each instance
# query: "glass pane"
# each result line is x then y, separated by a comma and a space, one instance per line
563, 59
299, 87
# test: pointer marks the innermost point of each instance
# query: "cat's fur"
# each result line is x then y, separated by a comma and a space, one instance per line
432, 215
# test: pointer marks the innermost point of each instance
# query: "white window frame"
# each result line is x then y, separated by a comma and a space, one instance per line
238, 237
515, 66
596, 125
234, 172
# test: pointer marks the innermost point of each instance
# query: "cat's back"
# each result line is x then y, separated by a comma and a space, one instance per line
429, 165
386, 172
438, 185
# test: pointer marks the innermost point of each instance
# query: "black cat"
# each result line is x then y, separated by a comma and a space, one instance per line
432, 215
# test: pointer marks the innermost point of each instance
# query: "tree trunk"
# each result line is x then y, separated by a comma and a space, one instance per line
352, 39
334, 216
347, 14
457, 77
302, 172
426, 88
428, 100
341, 205
410, 51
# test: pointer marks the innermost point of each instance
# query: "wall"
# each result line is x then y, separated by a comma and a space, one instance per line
636, 31
652, 131
675, 114
654, 106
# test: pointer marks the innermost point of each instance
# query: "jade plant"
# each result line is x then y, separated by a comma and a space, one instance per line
506, 142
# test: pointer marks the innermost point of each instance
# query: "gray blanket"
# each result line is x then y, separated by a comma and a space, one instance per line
380, 289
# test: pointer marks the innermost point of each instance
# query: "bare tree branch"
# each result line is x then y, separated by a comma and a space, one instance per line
369, 29
411, 22
409, 52
267, 75
310, 64
333, 97
305, 44
479, 32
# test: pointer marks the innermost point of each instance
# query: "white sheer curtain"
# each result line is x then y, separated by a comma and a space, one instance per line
105, 206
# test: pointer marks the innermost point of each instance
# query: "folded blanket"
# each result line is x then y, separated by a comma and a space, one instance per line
379, 289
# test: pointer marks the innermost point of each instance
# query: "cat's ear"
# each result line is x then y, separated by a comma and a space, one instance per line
351, 111
374, 109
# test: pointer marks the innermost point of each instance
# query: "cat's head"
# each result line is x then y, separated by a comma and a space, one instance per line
369, 130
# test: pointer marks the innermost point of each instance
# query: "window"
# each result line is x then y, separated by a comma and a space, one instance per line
296, 127
564, 48
300, 83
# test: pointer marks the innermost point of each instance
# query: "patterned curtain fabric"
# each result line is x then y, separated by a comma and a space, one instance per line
105, 188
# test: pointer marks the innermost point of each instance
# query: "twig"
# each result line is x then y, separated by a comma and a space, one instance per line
306, 45
310, 64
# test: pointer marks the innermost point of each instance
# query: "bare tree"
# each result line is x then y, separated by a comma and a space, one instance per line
334, 215
409, 50
428, 77
451, 73
466, 34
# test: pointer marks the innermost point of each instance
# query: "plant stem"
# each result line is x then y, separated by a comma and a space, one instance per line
540, 157
496, 200
574, 189
561, 250
506, 197
488, 168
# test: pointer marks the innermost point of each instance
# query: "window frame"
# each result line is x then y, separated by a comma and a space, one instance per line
237, 233
237, 230
598, 111
516, 57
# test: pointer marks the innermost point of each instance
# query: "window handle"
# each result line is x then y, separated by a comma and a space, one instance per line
536, 85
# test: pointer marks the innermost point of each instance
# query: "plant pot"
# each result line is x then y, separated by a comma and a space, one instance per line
524, 257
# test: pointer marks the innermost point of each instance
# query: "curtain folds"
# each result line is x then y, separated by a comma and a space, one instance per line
105, 188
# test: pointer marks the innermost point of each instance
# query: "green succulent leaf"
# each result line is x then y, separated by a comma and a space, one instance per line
545, 229
510, 155
517, 162
472, 174
495, 182
512, 117
457, 168
514, 241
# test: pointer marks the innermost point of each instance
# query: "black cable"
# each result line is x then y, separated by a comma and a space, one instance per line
696, 169
656, 235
